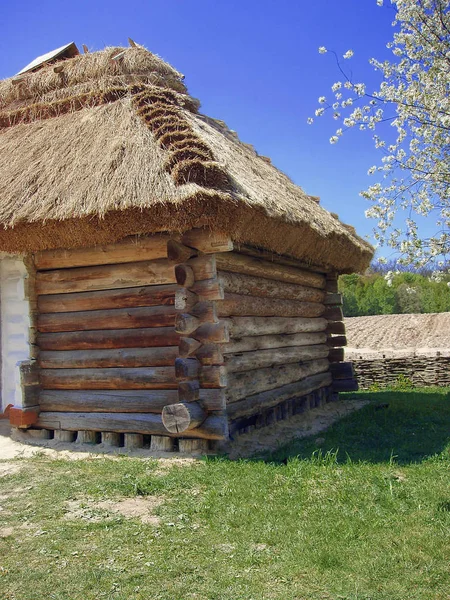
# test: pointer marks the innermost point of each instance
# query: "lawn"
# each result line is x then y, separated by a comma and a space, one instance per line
366, 516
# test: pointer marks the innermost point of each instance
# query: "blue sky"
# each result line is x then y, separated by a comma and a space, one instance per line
253, 64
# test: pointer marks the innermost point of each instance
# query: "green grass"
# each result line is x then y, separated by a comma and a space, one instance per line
365, 518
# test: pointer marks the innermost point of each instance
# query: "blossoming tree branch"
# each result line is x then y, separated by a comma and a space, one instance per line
414, 99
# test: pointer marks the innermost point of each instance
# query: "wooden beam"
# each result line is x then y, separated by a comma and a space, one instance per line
336, 327
333, 313
336, 355
128, 318
179, 253
152, 295
254, 326
214, 427
207, 241
130, 250
336, 341
261, 359
115, 338
184, 276
121, 357
247, 265
267, 399
105, 277
237, 283
251, 306
263, 342
149, 378
342, 370
333, 299
124, 401
345, 385
241, 385
186, 369
215, 333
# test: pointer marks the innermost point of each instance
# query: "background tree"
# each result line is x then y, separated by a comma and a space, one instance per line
414, 98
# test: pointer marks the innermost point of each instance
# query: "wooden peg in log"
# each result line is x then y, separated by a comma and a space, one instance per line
188, 347
188, 391
184, 276
186, 368
178, 253
186, 324
180, 417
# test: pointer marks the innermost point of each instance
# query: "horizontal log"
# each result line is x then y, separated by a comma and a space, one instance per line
216, 333
336, 341
252, 306
121, 357
263, 342
345, 385
149, 378
241, 385
130, 250
279, 259
237, 283
336, 327
247, 265
189, 391
332, 286
209, 289
181, 417
179, 253
336, 355
132, 401
261, 359
259, 402
342, 370
213, 377
253, 326
205, 311
106, 277
186, 368
204, 267
207, 241
210, 354
333, 299
214, 427
119, 318
153, 295
115, 338
333, 313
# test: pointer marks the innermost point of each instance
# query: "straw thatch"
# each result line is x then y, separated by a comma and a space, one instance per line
107, 149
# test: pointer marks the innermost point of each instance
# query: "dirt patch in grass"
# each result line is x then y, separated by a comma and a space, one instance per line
131, 508
9, 469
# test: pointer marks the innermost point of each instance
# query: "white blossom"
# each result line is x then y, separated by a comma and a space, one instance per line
409, 116
310, 121
322, 50
322, 100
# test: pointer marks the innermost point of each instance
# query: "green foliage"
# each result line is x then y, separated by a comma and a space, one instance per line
379, 294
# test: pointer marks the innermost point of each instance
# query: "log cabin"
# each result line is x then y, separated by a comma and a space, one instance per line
161, 282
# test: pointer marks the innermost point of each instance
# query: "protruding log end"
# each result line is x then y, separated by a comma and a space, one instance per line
184, 276
180, 417
186, 368
178, 253
186, 324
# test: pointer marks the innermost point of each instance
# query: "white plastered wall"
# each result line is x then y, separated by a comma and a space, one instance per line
15, 327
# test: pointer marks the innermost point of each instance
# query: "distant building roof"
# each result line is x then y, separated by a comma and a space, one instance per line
67, 51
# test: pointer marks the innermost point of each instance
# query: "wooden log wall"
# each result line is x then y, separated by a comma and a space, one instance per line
109, 346
277, 351
344, 379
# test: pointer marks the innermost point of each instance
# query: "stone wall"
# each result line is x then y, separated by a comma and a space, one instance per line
421, 371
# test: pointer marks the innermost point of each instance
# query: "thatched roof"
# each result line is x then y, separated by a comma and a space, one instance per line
107, 148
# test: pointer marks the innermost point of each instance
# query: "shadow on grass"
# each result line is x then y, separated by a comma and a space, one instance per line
404, 426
